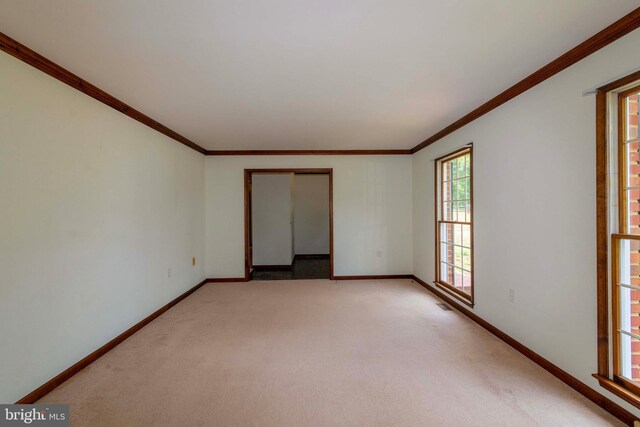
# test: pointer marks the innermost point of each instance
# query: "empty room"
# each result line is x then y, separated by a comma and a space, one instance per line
320, 213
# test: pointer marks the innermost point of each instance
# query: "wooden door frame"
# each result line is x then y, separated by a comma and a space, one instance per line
248, 173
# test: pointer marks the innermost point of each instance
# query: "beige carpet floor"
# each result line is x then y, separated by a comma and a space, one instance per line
318, 353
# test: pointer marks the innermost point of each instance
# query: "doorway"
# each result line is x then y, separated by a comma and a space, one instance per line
275, 213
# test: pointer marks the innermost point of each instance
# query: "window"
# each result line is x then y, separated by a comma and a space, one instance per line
454, 224
625, 247
618, 235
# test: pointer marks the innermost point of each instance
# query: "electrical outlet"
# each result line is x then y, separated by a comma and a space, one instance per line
169, 272
512, 295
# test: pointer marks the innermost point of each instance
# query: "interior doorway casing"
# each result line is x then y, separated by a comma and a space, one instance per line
248, 237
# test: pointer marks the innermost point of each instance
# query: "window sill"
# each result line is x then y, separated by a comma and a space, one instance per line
618, 390
465, 299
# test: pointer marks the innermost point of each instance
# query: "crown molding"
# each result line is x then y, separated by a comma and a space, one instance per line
304, 152
613, 32
23, 53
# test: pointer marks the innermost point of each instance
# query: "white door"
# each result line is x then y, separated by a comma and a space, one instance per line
271, 207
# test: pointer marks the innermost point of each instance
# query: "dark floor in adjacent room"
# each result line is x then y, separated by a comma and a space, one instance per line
303, 267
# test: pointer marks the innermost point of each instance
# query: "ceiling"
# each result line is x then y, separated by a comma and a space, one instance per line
322, 74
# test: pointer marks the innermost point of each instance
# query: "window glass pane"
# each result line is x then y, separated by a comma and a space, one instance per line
632, 117
446, 171
457, 234
629, 263
449, 276
466, 236
633, 187
467, 189
466, 282
446, 191
446, 232
632, 153
457, 256
466, 259
457, 190
454, 168
467, 160
629, 310
457, 279
630, 358
462, 168
446, 254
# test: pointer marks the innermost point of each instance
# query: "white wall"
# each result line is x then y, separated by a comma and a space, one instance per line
371, 207
535, 223
94, 209
271, 213
311, 214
